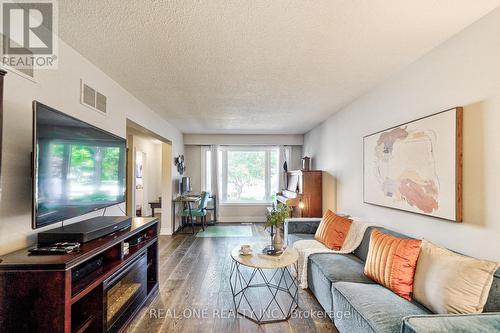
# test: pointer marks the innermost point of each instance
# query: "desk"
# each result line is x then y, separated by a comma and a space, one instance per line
180, 200
187, 200
153, 205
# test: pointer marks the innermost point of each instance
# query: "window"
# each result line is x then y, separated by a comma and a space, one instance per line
246, 174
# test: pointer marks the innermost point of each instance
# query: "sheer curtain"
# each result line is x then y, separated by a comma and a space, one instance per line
215, 181
283, 156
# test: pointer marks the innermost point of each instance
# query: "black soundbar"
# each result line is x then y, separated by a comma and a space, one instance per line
85, 231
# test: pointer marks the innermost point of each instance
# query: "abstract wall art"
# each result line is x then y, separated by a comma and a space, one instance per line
417, 166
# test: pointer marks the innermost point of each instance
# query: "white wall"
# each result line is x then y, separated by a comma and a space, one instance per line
152, 170
192, 157
60, 89
465, 71
296, 158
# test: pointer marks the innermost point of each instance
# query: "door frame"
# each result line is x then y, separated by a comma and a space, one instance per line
134, 128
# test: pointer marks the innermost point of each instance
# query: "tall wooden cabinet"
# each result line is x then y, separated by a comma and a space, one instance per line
304, 193
312, 193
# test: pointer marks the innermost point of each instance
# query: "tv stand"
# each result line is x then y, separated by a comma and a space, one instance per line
81, 292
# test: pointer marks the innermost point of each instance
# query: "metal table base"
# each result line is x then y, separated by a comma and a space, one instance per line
282, 287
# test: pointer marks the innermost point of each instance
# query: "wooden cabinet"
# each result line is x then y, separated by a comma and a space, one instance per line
78, 292
304, 193
312, 193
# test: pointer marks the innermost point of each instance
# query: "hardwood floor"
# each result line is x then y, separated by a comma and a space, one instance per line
195, 294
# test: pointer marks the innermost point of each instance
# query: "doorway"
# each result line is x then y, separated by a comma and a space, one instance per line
149, 175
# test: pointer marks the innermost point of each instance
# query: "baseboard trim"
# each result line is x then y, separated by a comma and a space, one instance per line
165, 232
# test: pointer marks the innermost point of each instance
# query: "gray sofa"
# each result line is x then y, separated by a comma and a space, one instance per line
358, 304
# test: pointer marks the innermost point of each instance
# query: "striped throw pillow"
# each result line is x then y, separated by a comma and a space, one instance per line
392, 261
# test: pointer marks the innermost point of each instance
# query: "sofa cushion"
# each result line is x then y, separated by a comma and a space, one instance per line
292, 238
340, 267
325, 268
321, 287
465, 323
363, 308
493, 302
362, 251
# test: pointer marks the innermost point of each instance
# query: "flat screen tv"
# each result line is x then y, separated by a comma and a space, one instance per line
77, 167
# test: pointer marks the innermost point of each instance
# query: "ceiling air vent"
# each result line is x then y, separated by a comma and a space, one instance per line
92, 98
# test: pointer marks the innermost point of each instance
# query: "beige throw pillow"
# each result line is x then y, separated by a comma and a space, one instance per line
447, 282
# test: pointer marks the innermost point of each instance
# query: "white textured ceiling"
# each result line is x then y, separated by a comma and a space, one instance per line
257, 66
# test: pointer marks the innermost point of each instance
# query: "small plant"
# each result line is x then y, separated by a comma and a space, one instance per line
277, 216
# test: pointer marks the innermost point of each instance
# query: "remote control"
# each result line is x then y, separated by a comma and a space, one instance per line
57, 248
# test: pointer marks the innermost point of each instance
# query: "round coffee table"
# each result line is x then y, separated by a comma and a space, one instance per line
264, 288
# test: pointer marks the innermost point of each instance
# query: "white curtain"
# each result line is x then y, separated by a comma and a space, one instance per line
215, 181
283, 155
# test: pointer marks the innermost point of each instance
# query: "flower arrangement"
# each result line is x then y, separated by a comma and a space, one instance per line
277, 216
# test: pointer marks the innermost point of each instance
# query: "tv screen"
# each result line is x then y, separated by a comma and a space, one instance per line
78, 168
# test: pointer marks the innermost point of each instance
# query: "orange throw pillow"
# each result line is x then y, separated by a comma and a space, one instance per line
332, 231
392, 261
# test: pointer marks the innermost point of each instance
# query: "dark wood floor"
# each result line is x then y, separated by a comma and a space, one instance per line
194, 282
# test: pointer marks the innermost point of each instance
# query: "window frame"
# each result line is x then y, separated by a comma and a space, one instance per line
223, 161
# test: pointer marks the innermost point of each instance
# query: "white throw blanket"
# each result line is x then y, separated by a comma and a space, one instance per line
306, 247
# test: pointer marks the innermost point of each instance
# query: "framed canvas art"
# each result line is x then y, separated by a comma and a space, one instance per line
417, 166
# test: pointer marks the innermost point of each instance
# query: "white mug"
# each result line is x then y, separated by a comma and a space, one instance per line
246, 249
